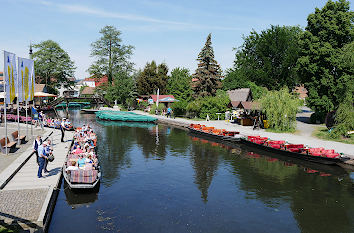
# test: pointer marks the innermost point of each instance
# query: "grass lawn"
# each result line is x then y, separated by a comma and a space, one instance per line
5, 230
323, 133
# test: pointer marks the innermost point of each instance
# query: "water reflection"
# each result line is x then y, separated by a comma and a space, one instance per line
157, 178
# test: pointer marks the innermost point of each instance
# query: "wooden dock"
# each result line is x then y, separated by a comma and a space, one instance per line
25, 198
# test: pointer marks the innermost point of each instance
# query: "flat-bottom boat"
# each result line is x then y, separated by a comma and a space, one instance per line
303, 156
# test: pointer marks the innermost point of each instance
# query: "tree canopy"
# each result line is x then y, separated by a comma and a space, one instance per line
112, 57
208, 74
268, 58
328, 30
180, 84
280, 108
233, 80
53, 65
122, 89
153, 77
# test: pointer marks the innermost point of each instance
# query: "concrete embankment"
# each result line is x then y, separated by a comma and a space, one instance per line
26, 200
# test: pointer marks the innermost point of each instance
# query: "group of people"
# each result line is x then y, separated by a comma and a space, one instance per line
83, 154
42, 150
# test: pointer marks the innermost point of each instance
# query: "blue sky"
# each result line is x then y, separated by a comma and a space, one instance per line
165, 31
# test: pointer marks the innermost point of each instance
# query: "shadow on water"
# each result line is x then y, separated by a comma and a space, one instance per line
80, 198
157, 178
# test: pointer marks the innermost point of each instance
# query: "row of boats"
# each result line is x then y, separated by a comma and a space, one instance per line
300, 151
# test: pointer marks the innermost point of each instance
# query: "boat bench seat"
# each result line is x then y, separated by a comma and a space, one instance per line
5, 143
83, 176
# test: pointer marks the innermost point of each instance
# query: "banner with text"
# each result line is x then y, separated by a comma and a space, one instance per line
10, 76
25, 73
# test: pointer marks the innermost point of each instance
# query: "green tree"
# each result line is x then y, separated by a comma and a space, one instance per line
280, 108
180, 84
345, 114
268, 58
328, 30
122, 89
233, 81
209, 105
112, 57
153, 77
53, 65
208, 73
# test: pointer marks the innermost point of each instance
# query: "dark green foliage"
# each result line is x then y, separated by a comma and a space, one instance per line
328, 30
111, 55
153, 77
208, 73
268, 58
234, 81
159, 108
180, 108
180, 84
209, 105
53, 65
122, 89
345, 114
280, 108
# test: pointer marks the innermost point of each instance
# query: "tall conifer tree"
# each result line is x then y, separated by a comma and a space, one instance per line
208, 74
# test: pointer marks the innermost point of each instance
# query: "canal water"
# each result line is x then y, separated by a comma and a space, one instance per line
158, 178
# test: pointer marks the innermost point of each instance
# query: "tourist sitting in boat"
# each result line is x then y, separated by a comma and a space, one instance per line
81, 162
78, 150
72, 167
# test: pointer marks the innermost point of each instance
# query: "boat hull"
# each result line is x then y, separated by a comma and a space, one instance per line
210, 135
316, 159
81, 185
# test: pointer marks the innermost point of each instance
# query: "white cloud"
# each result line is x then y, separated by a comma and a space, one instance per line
70, 8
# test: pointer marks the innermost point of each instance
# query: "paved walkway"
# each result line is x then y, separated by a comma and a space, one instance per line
6, 160
25, 198
347, 149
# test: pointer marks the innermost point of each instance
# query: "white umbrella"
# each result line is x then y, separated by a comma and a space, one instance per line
43, 94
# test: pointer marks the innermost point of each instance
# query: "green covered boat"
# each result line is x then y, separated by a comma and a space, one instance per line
123, 116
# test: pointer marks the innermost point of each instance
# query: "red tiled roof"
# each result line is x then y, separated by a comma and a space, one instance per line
88, 91
154, 97
98, 81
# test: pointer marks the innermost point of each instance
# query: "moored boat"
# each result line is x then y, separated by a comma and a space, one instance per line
81, 169
221, 134
318, 155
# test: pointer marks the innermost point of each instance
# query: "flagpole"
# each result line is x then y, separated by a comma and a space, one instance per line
5, 105
18, 107
26, 121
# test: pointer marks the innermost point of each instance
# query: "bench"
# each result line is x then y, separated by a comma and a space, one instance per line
5, 143
15, 137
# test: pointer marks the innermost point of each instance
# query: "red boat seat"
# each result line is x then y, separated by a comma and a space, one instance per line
276, 142
297, 150
333, 156
276, 146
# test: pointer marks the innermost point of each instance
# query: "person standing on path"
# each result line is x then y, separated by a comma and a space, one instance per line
169, 112
49, 150
42, 157
36, 144
62, 128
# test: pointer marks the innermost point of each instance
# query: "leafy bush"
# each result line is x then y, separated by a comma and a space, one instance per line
344, 116
317, 117
159, 108
142, 105
209, 105
280, 108
179, 108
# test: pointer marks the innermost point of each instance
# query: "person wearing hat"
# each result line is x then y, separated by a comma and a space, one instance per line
42, 156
